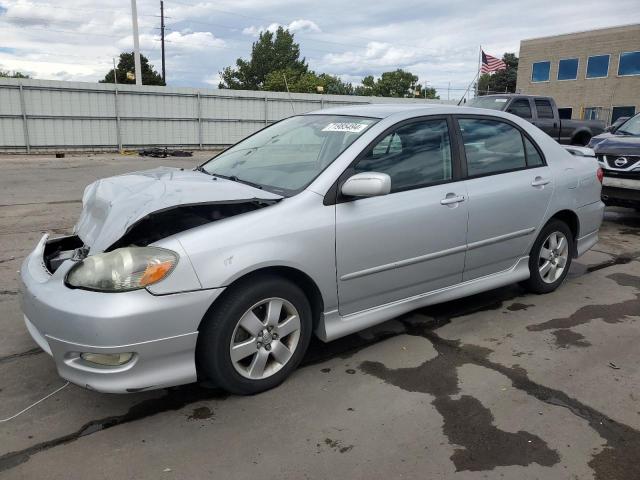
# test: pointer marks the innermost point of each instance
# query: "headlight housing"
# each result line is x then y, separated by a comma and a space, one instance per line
123, 270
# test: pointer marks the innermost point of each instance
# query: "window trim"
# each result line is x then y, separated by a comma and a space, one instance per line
620, 58
586, 70
523, 135
577, 70
334, 195
541, 81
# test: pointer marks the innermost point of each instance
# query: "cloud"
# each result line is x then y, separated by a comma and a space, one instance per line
297, 26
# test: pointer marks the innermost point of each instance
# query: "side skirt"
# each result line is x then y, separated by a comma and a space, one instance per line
334, 326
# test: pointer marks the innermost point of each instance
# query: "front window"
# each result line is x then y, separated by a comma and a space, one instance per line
287, 156
568, 69
540, 71
494, 103
630, 127
598, 66
629, 63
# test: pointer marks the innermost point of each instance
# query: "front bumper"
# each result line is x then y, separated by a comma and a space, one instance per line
622, 192
160, 330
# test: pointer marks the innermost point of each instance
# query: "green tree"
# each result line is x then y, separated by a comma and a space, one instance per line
306, 82
398, 83
127, 64
501, 81
270, 53
15, 74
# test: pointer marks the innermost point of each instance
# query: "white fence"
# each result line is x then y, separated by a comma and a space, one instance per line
44, 115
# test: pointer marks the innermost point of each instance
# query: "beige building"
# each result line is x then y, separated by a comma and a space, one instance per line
591, 75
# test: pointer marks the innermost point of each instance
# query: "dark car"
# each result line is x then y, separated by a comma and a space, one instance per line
618, 152
543, 113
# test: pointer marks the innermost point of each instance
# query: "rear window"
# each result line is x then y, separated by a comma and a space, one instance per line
544, 108
494, 103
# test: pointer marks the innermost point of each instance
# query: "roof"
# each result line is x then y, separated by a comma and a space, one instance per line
387, 109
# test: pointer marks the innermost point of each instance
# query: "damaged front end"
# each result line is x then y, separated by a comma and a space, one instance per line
141, 208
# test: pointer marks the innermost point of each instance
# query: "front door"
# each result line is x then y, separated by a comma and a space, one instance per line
509, 188
412, 240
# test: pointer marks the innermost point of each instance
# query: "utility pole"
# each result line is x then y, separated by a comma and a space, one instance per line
136, 42
164, 78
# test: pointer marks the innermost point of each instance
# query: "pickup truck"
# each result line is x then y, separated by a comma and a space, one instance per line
543, 113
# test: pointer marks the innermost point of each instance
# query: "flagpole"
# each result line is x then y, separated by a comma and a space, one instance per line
478, 72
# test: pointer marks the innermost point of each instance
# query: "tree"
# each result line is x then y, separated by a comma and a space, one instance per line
501, 81
397, 83
306, 82
15, 74
127, 64
269, 54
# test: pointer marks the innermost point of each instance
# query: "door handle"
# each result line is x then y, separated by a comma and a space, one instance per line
452, 198
540, 182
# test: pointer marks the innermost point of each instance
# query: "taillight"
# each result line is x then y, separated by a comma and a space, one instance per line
600, 174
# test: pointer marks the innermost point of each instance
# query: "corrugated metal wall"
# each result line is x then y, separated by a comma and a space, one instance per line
45, 115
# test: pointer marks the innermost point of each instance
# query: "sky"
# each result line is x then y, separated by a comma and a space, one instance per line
438, 40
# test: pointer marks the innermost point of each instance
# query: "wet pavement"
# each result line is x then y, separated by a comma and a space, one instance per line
501, 385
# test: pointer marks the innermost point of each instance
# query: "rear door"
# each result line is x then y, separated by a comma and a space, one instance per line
412, 240
547, 119
509, 187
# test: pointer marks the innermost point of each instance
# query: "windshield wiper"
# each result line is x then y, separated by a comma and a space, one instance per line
624, 132
233, 178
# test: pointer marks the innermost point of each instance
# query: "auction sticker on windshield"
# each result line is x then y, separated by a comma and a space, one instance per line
348, 127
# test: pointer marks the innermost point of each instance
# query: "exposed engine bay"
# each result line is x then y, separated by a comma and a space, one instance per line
151, 228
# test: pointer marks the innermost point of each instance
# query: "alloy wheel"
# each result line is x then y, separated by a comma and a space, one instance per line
553, 258
265, 338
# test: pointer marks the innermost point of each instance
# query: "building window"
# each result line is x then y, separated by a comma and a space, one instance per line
565, 113
592, 113
540, 71
568, 69
618, 112
629, 63
598, 66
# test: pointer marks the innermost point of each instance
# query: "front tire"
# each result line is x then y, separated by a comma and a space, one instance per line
255, 335
550, 258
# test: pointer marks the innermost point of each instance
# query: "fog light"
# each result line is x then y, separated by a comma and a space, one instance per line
110, 359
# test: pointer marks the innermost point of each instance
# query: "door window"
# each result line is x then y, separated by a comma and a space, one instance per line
544, 108
491, 146
413, 155
521, 108
533, 156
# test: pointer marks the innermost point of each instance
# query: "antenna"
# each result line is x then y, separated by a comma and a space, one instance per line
290, 99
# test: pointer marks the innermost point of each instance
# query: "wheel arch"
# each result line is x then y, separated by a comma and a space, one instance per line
580, 134
296, 276
570, 218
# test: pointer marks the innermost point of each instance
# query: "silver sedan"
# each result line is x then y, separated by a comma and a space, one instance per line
321, 224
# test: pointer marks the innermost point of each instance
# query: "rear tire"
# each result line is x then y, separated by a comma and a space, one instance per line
550, 258
255, 335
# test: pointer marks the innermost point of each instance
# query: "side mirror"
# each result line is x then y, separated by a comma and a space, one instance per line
367, 184
611, 128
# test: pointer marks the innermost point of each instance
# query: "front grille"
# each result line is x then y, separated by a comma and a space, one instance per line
619, 162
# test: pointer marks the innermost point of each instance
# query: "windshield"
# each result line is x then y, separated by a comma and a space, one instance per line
631, 126
494, 103
285, 157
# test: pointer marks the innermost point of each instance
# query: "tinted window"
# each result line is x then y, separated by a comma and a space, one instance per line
565, 113
568, 69
598, 66
533, 157
491, 146
540, 71
521, 108
629, 63
618, 112
414, 155
544, 109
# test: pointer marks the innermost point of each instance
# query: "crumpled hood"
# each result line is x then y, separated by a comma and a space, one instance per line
112, 205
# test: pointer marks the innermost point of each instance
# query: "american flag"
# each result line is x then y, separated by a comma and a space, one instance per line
491, 64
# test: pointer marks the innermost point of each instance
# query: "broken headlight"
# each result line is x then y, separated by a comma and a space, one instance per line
123, 269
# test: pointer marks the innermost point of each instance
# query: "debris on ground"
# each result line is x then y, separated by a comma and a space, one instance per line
163, 153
